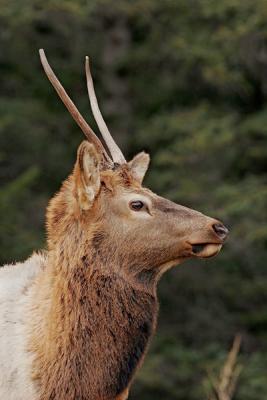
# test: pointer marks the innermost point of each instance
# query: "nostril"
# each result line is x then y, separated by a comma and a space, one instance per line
220, 230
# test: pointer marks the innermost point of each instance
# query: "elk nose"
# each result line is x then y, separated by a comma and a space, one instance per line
220, 230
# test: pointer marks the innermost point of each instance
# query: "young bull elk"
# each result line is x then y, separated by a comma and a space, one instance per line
76, 319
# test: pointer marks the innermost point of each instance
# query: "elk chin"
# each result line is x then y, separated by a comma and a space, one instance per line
169, 264
206, 250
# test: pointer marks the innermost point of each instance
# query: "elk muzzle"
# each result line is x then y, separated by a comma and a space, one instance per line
216, 234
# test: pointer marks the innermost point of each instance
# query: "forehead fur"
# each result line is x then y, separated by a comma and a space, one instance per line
120, 177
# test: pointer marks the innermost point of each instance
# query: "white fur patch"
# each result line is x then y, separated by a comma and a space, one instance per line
15, 360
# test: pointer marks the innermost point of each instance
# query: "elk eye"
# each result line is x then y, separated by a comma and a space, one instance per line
137, 205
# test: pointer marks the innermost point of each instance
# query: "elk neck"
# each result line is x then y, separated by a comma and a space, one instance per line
90, 324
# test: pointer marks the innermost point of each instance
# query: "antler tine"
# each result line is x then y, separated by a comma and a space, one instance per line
74, 112
115, 151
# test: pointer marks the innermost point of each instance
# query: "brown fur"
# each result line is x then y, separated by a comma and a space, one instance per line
95, 302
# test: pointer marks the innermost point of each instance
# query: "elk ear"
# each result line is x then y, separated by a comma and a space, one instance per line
139, 166
87, 175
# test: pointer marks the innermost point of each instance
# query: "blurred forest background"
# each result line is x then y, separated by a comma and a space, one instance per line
185, 80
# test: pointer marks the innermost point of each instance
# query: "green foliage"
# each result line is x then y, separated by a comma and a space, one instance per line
17, 210
186, 80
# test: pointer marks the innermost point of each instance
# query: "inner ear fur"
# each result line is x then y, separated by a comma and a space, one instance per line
139, 165
87, 175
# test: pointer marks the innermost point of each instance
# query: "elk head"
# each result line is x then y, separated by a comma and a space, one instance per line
125, 226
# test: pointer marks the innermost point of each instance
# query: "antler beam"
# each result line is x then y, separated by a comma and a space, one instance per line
74, 112
114, 149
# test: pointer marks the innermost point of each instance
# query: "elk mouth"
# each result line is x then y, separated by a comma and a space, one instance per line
206, 250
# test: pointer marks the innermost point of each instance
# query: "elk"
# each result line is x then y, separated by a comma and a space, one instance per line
76, 319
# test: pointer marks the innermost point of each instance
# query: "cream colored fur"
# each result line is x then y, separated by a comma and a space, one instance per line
15, 301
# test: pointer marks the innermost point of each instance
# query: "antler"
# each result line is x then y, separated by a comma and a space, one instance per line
115, 151
87, 130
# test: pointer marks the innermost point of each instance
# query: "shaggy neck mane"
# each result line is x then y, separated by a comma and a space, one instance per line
90, 325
